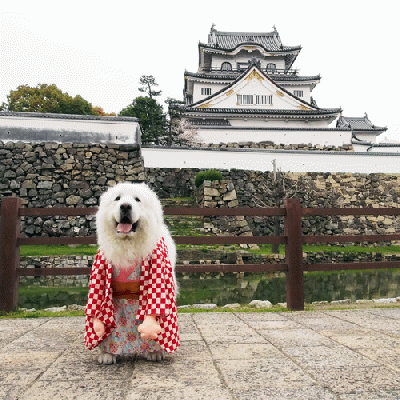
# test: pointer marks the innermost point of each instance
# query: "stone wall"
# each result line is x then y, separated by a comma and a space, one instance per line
222, 194
75, 175
64, 175
313, 189
56, 262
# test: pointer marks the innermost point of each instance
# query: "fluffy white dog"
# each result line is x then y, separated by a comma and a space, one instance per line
129, 223
132, 240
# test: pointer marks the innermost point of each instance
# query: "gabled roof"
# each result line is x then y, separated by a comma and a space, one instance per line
358, 124
232, 75
268, 41
230, 40
302, 106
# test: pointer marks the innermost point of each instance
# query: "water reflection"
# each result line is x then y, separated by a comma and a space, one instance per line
228, 288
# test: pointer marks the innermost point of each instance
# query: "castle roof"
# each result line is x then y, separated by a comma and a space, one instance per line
230, 40
232, 75
358, 124
304, 109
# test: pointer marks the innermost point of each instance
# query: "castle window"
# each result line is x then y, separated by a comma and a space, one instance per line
244, 99
271, 68
264, 99
206, 91
298, 93
226, 66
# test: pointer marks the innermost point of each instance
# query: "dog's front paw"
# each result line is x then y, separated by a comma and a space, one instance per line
155, 356
107, 358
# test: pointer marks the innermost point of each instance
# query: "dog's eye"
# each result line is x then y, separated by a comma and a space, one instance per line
137, 199
118, 198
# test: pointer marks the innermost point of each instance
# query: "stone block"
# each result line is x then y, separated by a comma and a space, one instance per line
211, 192
260, 304
229, 196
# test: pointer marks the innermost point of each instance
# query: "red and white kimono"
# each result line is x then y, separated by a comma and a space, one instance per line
157, 297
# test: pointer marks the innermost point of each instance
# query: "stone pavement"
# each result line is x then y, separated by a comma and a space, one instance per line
321, 355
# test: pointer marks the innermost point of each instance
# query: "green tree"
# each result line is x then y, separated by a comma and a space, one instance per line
46, 99
151, 118
149, 81
174, 119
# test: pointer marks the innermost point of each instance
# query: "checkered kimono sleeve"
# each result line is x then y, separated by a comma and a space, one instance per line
99, 302
158, 296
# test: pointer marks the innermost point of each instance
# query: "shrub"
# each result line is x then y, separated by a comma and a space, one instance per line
212, 175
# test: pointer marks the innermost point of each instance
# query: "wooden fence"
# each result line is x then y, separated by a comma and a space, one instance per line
11, 212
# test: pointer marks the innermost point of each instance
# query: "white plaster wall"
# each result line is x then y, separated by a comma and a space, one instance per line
261, 160
369, 137
333, 138
215, 87
243, 58
306, 91
363, 148
255, 86
264, 122
97, 129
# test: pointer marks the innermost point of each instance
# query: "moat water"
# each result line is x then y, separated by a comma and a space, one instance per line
243, 288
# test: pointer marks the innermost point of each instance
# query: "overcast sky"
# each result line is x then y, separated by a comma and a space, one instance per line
99, 49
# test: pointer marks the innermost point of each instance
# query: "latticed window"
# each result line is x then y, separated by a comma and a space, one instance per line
271, 68
206, 91
298, 93
263, 99
226, 66
244, 99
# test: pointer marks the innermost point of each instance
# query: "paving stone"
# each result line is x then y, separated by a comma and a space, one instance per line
76, 389
309, 393
177, 373
296, 337
206, 392
381, 395
358, 380
341, 355
23, 368
250, 351
328, 357
256, 374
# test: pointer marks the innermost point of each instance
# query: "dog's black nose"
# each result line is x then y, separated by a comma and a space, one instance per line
125, 207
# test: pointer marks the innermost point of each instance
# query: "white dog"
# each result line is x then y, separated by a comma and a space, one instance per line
135, 245
129, 222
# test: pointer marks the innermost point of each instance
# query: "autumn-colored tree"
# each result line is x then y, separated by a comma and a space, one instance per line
101, 112
46, 99
151, 118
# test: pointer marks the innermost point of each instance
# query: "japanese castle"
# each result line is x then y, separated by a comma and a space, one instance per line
246, 89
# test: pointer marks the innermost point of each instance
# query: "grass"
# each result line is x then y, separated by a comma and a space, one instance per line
91, 250
267, 249
62, 250
39, 314
53, 290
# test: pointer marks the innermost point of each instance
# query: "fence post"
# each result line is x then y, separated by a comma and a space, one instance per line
9, 252
294, 255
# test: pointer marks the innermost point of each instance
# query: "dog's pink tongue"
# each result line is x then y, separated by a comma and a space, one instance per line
124, 228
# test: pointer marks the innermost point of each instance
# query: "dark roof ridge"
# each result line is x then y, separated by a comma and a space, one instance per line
246, 33
233, 75
68, 116
278, 50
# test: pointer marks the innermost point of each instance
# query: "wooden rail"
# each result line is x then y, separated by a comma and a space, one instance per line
11, 211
